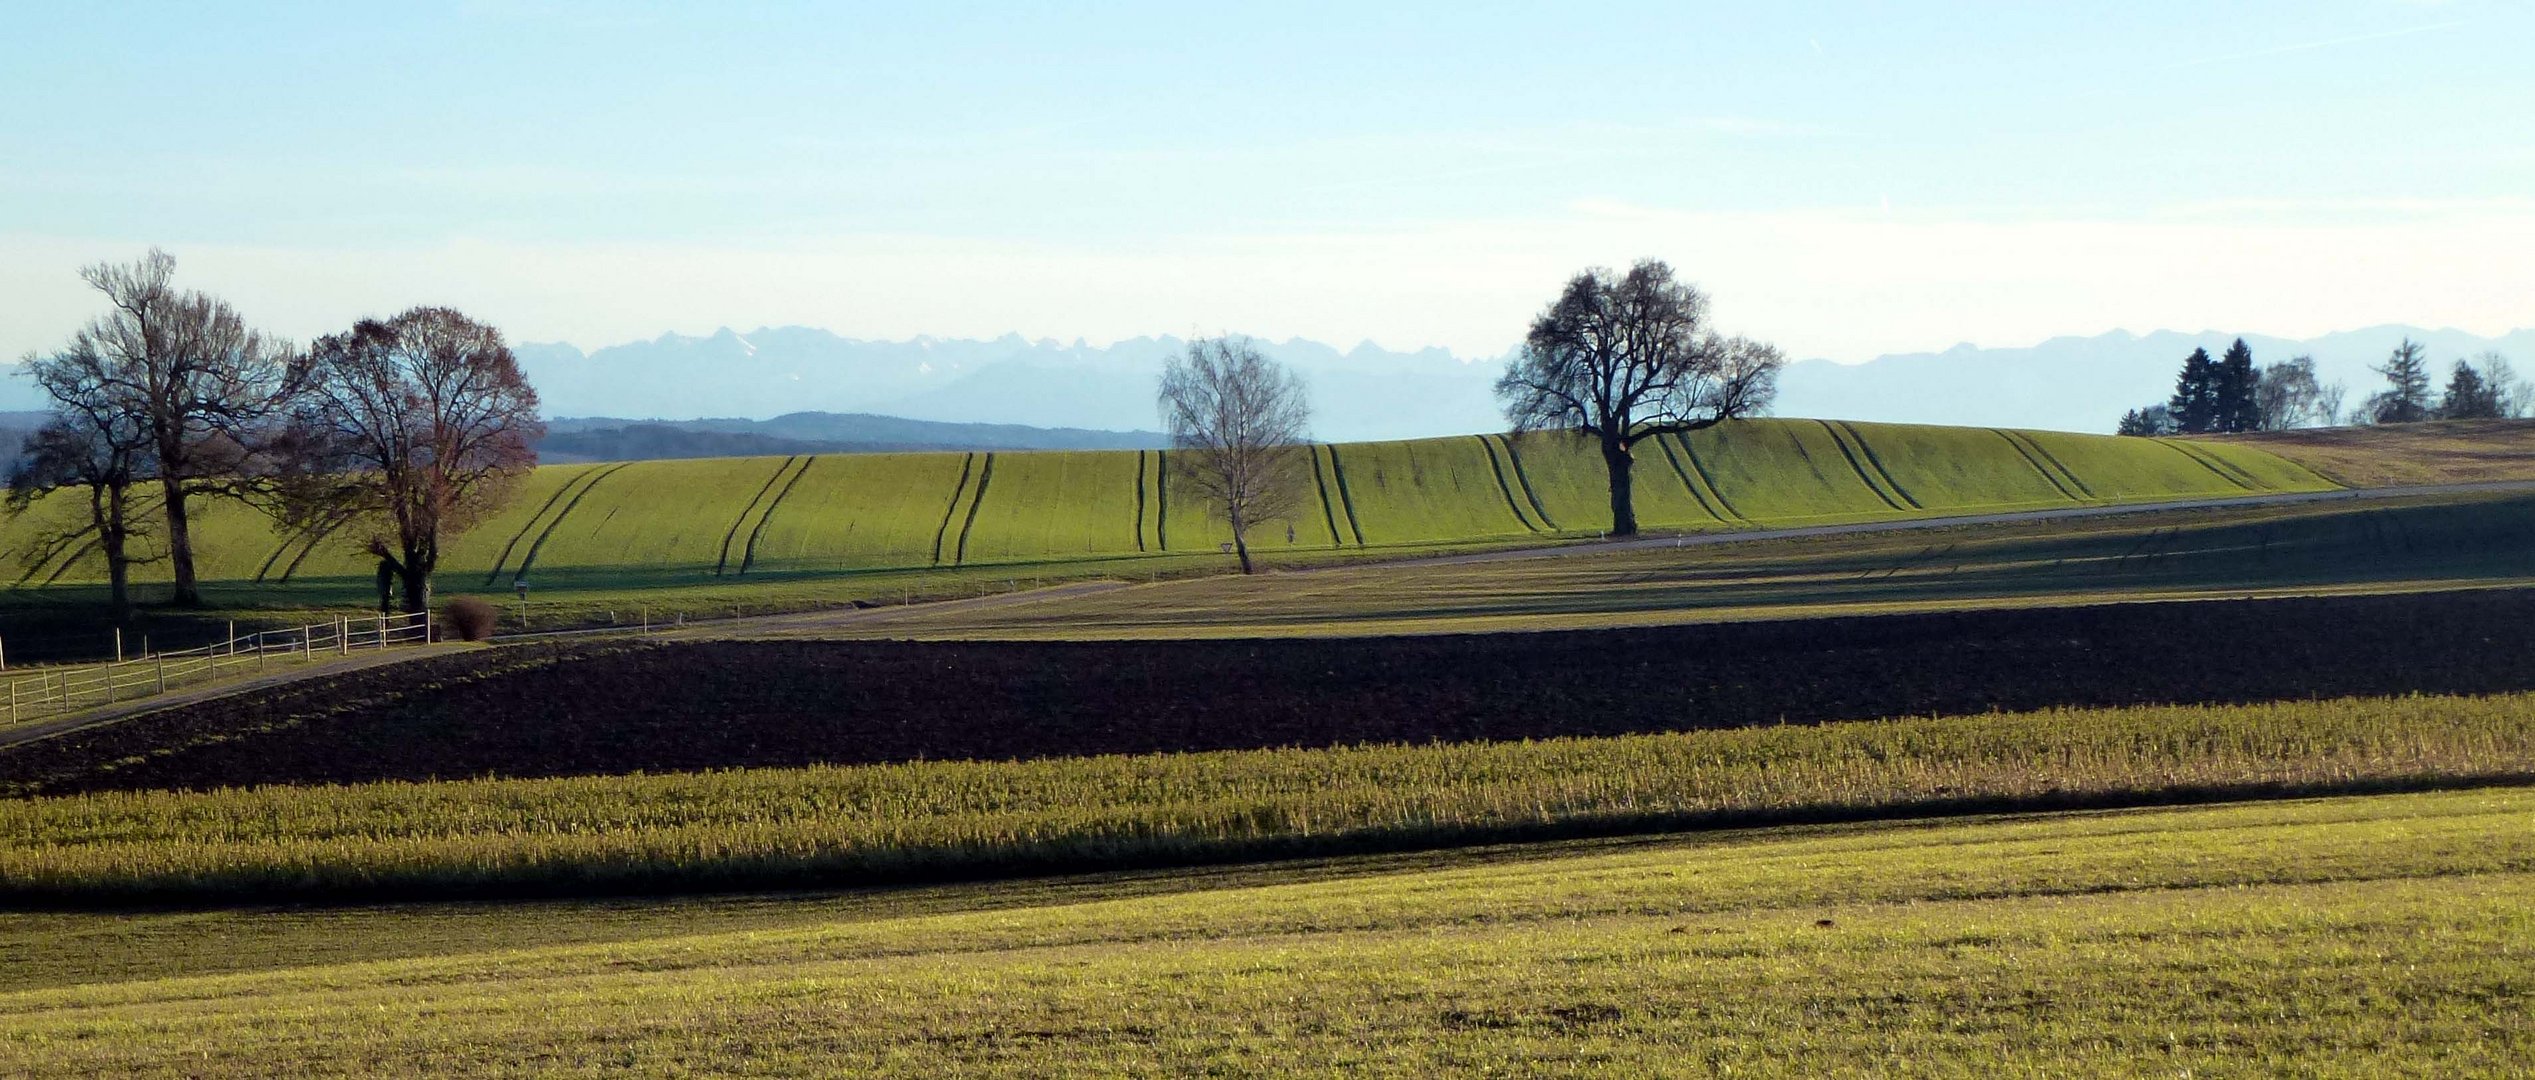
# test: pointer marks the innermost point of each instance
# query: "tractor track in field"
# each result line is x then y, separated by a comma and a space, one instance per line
810, 623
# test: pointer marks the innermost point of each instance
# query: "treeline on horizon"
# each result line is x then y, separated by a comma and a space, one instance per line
2230, 394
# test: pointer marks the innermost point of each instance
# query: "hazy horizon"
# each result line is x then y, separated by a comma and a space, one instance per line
1846, 181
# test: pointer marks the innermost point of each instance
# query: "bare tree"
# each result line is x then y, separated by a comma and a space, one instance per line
184, 369
2515, 396
1623, 359
417, 426
2288, 395
103, 455
1238, 422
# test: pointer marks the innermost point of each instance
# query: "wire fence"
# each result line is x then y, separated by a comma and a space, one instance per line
56, 691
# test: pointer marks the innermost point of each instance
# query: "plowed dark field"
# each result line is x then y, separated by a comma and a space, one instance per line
607, 708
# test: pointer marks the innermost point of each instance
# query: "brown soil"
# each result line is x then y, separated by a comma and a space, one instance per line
607, 708
2398, 455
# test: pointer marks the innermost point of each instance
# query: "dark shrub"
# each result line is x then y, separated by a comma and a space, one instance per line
467, 619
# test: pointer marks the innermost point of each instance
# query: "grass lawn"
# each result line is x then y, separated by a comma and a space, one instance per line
2376, 936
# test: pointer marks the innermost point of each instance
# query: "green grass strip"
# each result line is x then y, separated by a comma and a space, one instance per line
1868, 450
1498, 467
530, 559
1140, 457
1328, 509
748, 559
985, 473
1524, 478
875, 824
741, 522
2226, 470
958, 491
1346, 498
494, 577
2053, 460
2047, 475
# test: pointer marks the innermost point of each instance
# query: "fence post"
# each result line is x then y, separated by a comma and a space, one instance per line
118, 644
233, 637
382, 630
4, 658
426, 626
343, 635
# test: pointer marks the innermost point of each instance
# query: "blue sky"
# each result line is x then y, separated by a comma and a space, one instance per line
1847, 178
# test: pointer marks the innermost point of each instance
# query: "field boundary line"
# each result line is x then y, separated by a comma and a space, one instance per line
959, 490
1346, 498
724, 562
1859, 467
2206, 463
985, 474
1877, 460
1140, 455
1702, 489
1328, 513
2056, 463
1502, 487
1524, 477
1162, 500
494, 576
2030, 460
530, 559
748, 557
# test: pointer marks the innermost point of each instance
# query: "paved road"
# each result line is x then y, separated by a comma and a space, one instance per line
776, 625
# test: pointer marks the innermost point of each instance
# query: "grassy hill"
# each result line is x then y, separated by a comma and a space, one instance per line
732, 520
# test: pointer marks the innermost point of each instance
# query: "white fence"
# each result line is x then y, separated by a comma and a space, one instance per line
53, 691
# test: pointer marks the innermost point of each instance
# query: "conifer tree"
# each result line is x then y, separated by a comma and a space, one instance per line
2195, 404
2235, 391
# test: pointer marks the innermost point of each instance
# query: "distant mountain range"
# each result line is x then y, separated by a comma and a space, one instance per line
1368, 392
823, 391
606, 439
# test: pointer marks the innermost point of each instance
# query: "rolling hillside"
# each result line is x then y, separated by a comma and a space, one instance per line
732, 519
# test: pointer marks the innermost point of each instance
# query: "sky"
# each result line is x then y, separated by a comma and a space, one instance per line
1844, 179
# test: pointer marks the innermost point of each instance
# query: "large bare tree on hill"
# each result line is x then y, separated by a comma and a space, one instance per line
416, 425
102, 454
1237, 420
1625, 358
183, 369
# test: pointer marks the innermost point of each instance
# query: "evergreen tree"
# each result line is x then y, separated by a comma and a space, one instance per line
2235, 391
2405, 398
2195, 404
2469, 396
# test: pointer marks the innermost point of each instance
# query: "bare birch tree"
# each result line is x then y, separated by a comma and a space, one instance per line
1237, 421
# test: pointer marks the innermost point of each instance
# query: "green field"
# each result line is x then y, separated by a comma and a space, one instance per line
764, 520
2377, 936
2416, 543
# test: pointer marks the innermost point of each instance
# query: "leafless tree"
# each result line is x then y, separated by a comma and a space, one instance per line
184, 369
104, 456
2289, 396
415, 425
1625, 358
2516, 395
1238, 422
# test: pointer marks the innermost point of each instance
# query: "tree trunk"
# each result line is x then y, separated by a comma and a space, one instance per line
1240, 543
107, 507
417, 584
1616, 459
180, 543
